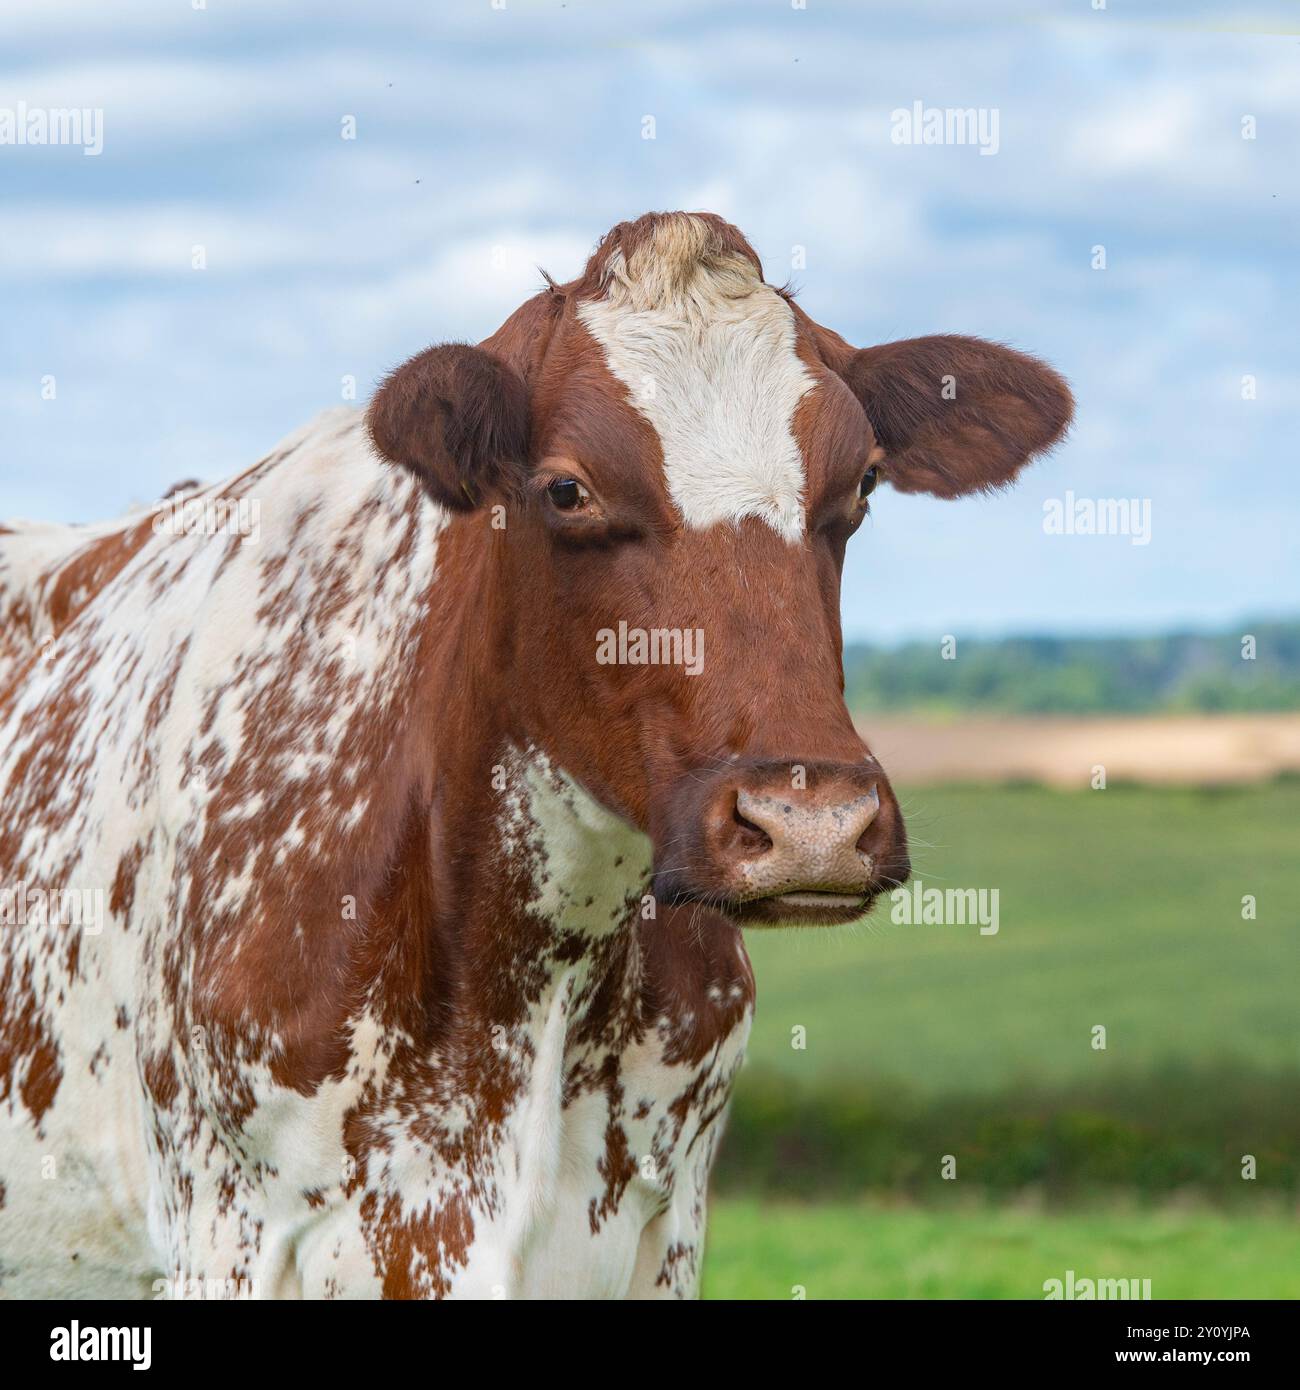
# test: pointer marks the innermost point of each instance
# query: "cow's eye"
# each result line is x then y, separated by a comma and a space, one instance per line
567, 494
868, 484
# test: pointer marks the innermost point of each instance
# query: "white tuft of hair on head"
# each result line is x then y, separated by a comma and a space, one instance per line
706, 350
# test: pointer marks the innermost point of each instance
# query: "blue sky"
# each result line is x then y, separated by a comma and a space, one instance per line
492, 140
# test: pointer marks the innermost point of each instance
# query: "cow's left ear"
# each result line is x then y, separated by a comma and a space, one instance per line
457, 417
957, 415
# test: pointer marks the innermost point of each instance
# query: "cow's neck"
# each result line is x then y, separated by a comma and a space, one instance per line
530, 890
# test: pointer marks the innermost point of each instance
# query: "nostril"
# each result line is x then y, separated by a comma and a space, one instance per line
752, 837
870, 836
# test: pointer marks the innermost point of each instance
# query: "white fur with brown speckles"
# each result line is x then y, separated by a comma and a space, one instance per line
107, 1187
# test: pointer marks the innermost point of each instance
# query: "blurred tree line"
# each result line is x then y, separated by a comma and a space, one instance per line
1175, 673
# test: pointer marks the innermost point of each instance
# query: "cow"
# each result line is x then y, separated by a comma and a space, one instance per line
379, 826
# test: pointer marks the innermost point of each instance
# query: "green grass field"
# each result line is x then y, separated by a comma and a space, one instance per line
758, 1250
1120, 908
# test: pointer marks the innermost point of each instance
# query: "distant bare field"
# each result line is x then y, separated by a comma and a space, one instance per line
1179, 750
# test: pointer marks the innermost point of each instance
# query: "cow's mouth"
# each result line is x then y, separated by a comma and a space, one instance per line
802, 907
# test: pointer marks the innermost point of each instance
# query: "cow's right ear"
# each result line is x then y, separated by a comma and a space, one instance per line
457, 417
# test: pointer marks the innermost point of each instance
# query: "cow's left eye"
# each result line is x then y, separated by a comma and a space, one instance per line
567, 494
868, 484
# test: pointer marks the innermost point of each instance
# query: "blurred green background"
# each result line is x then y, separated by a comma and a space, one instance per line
1120, 907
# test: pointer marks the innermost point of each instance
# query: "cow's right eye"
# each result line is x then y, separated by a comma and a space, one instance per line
567, 494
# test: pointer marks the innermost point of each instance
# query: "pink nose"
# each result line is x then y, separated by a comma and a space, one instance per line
817, 846
782, 841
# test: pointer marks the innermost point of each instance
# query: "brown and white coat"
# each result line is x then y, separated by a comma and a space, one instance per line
420, 970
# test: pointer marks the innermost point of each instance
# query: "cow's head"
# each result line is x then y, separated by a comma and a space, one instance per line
680, 457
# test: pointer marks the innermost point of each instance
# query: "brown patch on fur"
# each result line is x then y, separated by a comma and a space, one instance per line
160, 1079
416, 1257
122, 895
29, 1054
89, 570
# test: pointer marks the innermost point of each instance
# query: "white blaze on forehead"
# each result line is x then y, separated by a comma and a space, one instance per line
712, 365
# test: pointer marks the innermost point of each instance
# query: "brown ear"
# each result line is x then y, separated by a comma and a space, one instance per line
457, 417
957, 415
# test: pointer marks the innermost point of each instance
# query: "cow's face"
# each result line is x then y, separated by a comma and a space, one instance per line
674, 459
